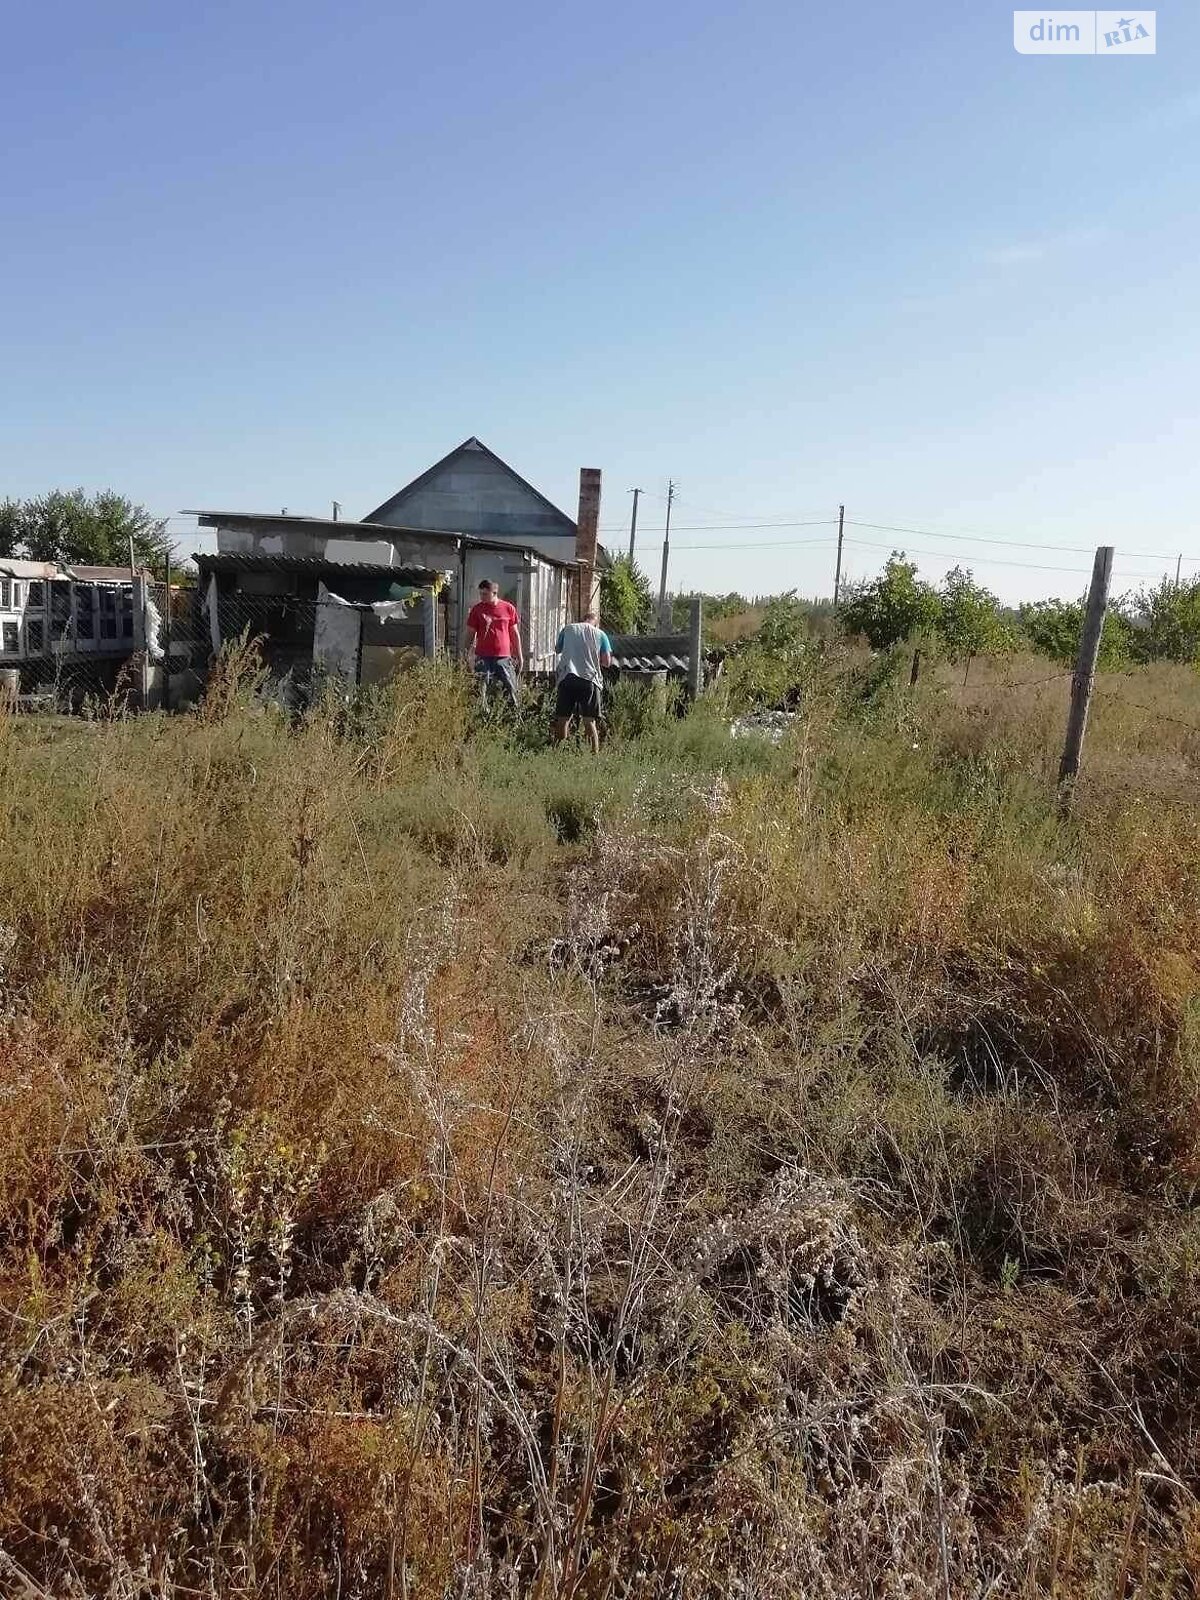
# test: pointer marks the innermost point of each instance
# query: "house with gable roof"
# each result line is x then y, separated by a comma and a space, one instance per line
473, 492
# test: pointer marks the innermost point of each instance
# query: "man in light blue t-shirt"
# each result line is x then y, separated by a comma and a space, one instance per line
583, 650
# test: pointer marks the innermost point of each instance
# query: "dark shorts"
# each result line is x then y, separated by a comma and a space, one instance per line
578, 697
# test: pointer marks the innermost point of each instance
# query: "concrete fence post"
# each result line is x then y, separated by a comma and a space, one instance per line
696, 648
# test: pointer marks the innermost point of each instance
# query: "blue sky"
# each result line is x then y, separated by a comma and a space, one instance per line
275, 255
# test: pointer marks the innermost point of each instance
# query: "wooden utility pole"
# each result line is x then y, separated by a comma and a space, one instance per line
633, 524
1085, 675
664, 621
837, 575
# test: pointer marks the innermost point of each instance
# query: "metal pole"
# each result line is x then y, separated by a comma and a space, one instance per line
337, 506
633, 524
1178, 569
1085, 675
166, 635
664, 620
837, 576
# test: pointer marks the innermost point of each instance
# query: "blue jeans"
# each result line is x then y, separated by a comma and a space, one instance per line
500, 671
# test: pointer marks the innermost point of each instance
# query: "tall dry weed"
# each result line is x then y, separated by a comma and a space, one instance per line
779, 1181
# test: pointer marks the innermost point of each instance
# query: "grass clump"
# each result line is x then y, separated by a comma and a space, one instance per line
436, 1164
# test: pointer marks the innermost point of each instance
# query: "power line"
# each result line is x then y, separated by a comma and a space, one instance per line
720, 527
758, 544
995, 561
1016, 544
980, 535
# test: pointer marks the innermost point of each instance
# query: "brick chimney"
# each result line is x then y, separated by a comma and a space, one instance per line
586, 536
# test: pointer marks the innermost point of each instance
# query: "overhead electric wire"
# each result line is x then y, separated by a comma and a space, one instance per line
759, 544
995, 561
729, 527
1016, 544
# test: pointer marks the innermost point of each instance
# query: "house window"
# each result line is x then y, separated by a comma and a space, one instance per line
35, 636
11, 637
36, 600
85, 611
108, 613
6, 596
127, 612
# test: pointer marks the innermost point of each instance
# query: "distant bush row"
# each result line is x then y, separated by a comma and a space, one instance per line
1154, 624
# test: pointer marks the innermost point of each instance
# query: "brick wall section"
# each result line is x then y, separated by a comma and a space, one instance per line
587, 535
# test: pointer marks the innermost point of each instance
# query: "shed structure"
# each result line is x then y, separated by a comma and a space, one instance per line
273, 554
66, 625
360, 619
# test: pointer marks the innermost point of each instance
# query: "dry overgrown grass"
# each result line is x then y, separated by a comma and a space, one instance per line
432, 1167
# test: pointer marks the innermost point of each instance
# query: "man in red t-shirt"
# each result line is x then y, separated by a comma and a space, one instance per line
494, 632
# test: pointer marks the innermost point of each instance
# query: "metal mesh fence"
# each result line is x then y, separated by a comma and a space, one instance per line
95, 649
300, 642
67, 645
69, 681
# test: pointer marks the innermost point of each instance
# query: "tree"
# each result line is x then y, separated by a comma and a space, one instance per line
891, 608
10, 527
1053, 628
1167, 622
626, 599
784, 630
970, 621
73, 527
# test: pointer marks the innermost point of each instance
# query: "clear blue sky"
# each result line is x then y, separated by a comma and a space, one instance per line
274, 255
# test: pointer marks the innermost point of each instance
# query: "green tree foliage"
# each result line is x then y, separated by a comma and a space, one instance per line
716, 607
1167, 621
626, 599
773, 665
1053, 628
70, 525
10, 527
970, 620
784, 630
891, 608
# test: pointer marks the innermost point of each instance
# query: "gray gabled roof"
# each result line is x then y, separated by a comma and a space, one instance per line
475, 446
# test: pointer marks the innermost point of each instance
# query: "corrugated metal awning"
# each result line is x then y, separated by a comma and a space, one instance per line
672, 663
315, 567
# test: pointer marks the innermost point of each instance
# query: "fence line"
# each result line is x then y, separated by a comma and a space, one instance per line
1011, 688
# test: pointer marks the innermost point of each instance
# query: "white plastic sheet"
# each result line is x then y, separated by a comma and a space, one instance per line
214, 619
152, 623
